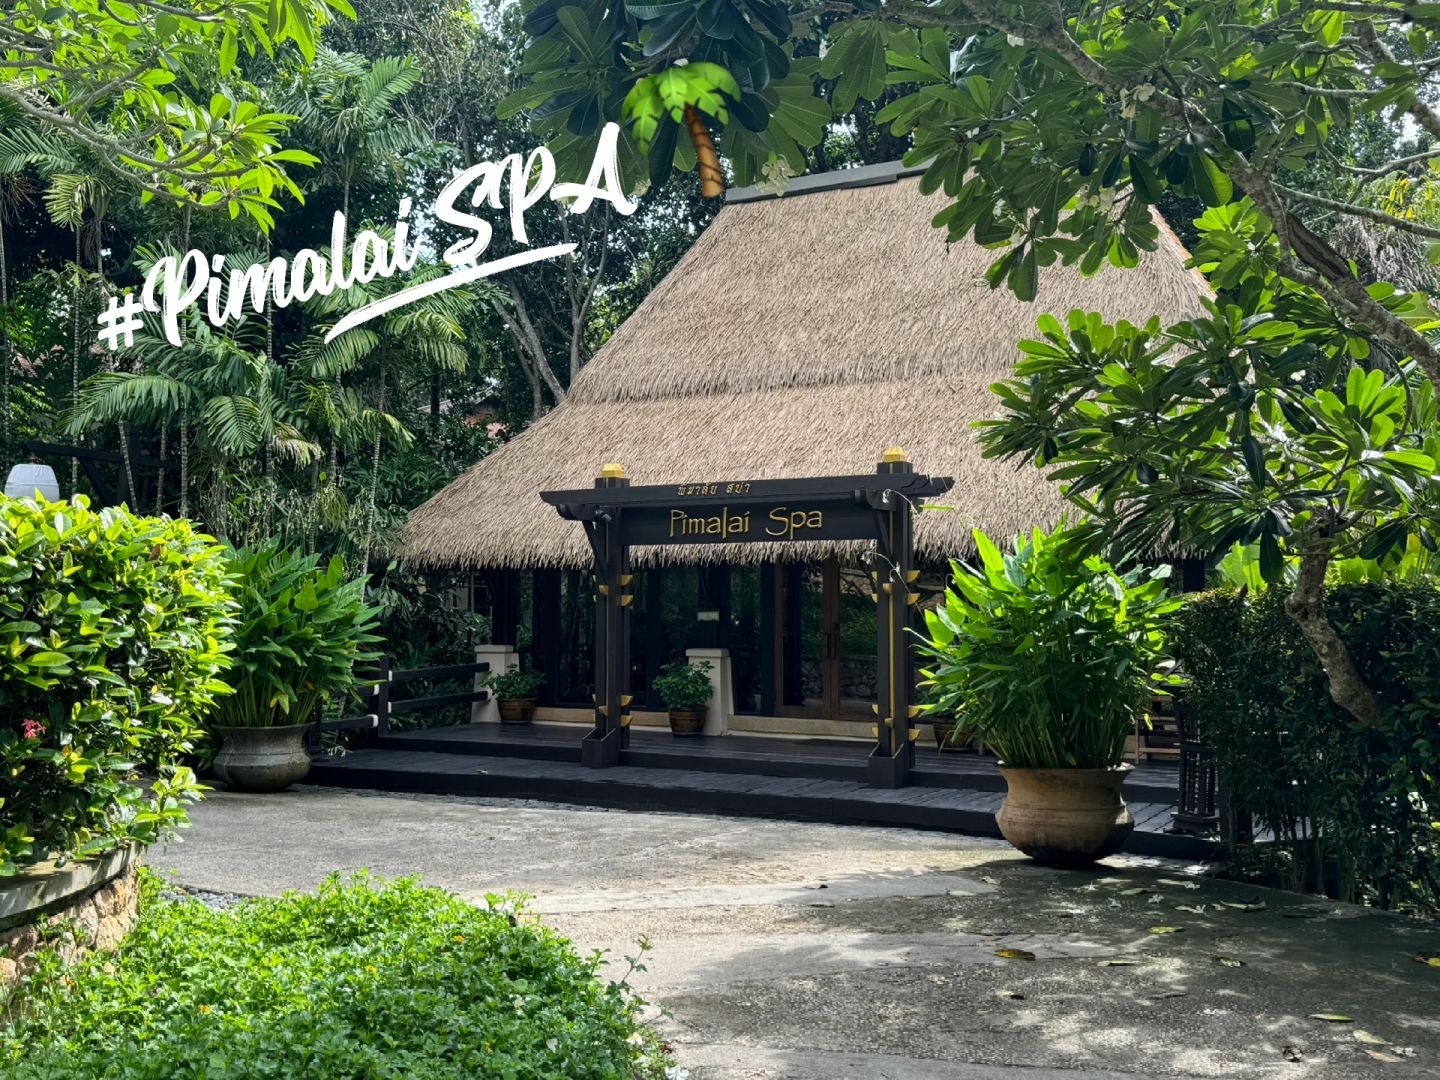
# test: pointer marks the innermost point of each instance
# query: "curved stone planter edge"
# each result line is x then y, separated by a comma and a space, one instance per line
37, 891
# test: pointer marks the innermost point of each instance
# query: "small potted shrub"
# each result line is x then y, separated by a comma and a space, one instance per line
515, 692
1051, 653
301, 630
685, 689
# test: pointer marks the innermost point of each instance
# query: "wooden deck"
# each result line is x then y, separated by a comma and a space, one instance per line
811, 779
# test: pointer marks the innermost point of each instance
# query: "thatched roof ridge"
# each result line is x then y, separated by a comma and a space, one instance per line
799, 336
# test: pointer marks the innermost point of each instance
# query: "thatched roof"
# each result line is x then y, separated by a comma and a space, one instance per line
799, 336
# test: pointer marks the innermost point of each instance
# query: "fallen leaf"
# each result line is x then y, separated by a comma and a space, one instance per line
1255, 905
1332, 1018
1381, 1055
1132, 892
1429, 959
1403, 1051
1292, 1053
1230, 961
1192, 910
1014, 954
1119, 963
1013, 995
1366, 1037
1173, 994
988, 880
1166, 929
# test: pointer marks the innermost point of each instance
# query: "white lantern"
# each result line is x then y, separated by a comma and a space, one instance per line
30, 481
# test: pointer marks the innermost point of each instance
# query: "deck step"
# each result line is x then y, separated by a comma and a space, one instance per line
824, 759
632, 786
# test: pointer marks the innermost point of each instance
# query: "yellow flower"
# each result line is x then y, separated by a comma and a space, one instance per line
204, 1008
460, 937
370, 968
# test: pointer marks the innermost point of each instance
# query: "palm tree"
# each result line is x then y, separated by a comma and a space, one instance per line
414, 340
346, 110
236, 403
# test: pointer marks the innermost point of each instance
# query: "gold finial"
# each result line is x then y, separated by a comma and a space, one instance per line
893, 453
612, 470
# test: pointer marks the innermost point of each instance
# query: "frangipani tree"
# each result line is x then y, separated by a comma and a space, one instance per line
1237, 427
134, 85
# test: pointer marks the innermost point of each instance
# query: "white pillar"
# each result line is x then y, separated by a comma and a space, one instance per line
500, 658
722, 700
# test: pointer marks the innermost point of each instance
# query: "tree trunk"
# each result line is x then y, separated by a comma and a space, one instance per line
374, 477
160, 474
4, 336
185, 459
712, 180
1306, 606
75, 355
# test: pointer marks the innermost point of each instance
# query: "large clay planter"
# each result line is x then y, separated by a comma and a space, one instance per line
516, 710
262, 758
687, 721
1065, 817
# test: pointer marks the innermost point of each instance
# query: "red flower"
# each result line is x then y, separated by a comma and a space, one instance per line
31, 729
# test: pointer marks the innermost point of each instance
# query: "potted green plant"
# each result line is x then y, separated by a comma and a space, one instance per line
685, 689
301, 629
515, 692
1051, 652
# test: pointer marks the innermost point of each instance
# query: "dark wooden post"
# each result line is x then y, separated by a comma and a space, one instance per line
602, 746
893, 575
382, 695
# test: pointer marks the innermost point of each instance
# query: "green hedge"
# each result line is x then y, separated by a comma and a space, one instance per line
363, 979
1355, 812
111, 630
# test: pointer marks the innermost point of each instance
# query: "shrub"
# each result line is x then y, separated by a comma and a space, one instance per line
111, 630
300, 631
1352, 809
362, 979
682, 685
1045, 654
515, 685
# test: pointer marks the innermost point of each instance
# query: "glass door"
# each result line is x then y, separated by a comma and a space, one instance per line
825, 642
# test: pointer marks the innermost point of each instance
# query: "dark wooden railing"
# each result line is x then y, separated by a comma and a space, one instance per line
375, 688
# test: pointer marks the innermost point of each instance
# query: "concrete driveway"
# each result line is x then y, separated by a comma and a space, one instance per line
819, 952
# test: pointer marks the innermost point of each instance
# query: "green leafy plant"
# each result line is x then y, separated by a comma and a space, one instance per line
1047, 652
682, 685
301, 629
515, 685
112, 633
1348, 810
362, 979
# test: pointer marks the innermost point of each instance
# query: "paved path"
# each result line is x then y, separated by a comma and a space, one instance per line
820, 952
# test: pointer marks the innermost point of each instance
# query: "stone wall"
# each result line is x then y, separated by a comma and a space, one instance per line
93, 918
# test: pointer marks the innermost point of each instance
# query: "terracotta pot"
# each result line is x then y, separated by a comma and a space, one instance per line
687, 721
516, 710
944, 732
262, 758
1065, 817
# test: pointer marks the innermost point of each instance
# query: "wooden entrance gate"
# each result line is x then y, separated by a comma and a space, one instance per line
879, 507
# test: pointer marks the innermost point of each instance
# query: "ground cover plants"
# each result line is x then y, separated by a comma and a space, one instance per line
361, 979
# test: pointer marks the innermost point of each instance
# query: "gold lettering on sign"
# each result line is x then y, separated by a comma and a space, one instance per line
722, 525
784, 522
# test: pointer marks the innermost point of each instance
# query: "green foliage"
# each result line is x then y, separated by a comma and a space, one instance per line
155, 93
682, 685
1354, 808
1046, 654
515, 685
111, 632
362, 979
302, 628
1237, 426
